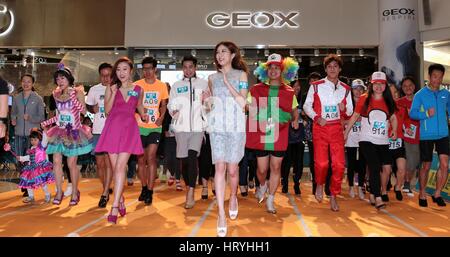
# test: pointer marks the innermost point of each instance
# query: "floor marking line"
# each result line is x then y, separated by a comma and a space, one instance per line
202, 220
26, 208
299, 216
87, 225
408, 226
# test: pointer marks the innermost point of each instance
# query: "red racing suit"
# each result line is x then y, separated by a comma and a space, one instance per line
322, 101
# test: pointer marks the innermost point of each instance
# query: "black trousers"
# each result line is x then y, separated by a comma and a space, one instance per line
247, 167
189, 168
170, 159
376, 156
355, 165
293, 158
206, 168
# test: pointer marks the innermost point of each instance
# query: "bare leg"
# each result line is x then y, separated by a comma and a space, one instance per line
119, 164
150, 153
423, 177
142, 170
401, 171
74, 175
441, 175
233, 170
220, 183
385, 176
275, 173
263, 167
57, 167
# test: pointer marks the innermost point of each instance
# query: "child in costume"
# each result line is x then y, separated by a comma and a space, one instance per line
272, 105
38, 171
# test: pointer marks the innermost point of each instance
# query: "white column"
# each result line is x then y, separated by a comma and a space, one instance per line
400, 47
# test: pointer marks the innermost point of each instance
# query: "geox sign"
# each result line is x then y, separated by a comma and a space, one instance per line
263, 20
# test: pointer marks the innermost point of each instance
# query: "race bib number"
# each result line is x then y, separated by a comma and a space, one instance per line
379, 128
183, 89
356, 127
132, 93
331, 112
65, 118
151, 99
152, 115
412, 131
395, 144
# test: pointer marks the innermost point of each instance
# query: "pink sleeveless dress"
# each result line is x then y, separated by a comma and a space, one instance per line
121, 132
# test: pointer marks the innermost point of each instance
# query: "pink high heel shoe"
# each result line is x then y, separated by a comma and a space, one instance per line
57, 201
74, 202
112, 218
122, 208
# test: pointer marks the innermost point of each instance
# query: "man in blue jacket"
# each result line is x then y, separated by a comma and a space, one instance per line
431, 106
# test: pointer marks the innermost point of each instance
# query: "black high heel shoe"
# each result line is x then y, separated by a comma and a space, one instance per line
205, 193
103, 201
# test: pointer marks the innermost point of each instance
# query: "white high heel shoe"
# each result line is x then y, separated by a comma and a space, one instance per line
221, 231
234, 214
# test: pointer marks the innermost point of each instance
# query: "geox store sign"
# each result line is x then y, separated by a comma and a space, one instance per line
263, 20
6, 20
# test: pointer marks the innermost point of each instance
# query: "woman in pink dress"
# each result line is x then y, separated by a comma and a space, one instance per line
120, 136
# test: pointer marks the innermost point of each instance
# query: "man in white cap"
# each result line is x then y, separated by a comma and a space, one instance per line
329, 102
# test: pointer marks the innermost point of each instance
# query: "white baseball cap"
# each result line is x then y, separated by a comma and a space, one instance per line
274, 58
378, 77
358, 83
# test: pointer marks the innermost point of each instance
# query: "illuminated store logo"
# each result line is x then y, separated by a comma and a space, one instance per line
6, 20
244, 19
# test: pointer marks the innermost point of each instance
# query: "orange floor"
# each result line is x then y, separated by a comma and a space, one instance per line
298, 216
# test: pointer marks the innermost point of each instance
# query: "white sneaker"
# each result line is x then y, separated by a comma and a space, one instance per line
361, 194
28, 199
269, 204
68, 191
410, 193
352, 192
